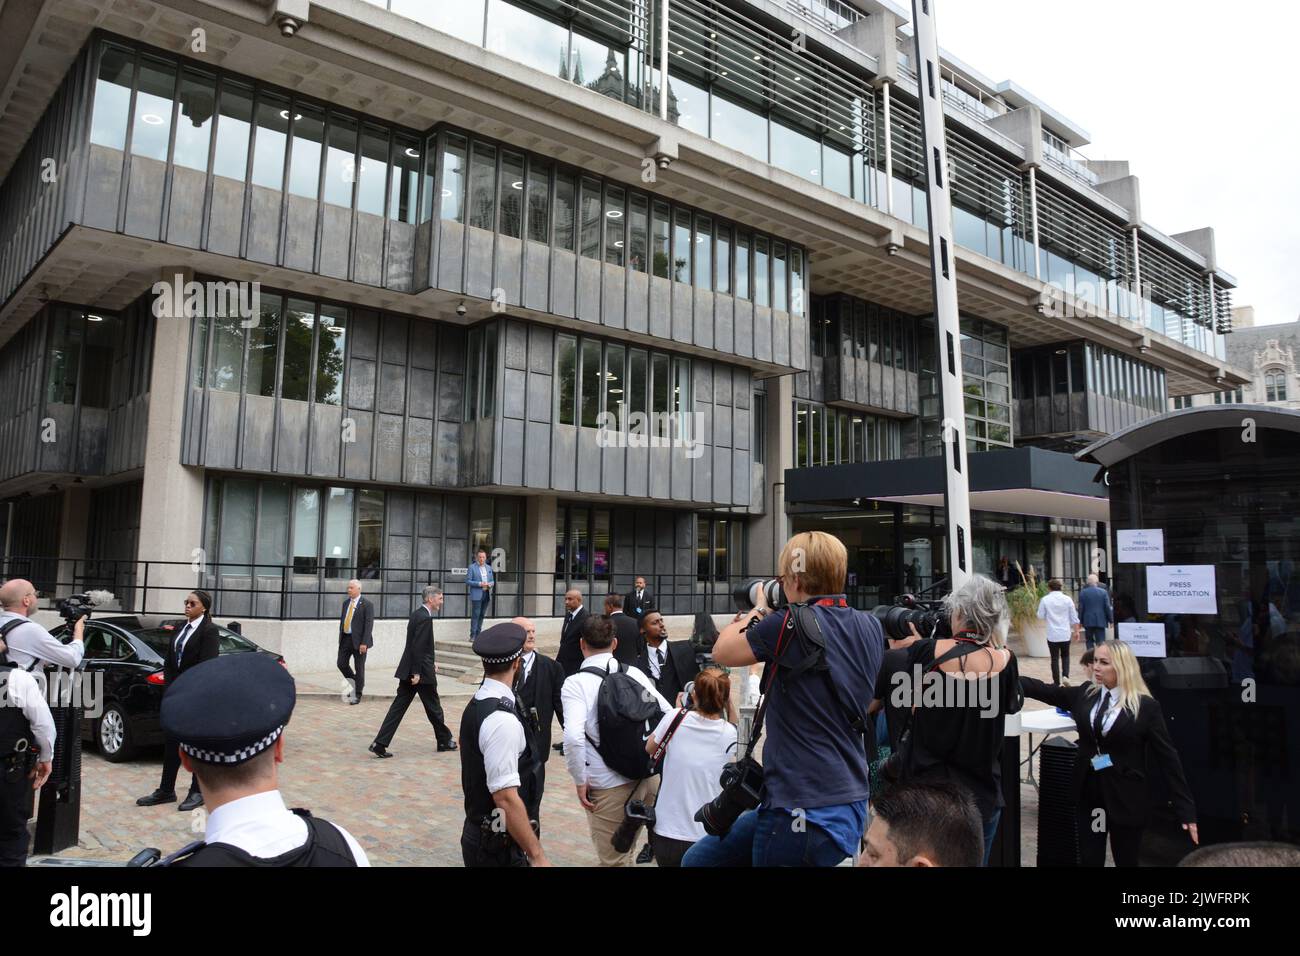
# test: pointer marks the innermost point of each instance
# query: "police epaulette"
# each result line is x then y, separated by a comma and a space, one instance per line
182, 853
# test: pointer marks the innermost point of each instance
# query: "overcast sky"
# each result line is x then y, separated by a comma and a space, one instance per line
1203, 100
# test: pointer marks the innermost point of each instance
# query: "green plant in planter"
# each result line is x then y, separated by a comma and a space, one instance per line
1022, 600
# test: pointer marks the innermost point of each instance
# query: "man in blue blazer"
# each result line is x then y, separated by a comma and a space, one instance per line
480, 581
1095, 611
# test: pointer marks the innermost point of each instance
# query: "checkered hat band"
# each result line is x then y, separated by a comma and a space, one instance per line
503, 660
235, 757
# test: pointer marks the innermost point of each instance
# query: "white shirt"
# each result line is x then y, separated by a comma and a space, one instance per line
653, 654
529, 659
262, 826
579, 695
23, 691
501, 738
696, 753
353, 603
1112, 710
1057, 609
188, 630
30, 642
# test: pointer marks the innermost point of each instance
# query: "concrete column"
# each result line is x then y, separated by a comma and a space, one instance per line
74, 516
539, 555
770, 531
171, 512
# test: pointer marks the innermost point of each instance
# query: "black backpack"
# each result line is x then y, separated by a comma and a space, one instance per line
626, 714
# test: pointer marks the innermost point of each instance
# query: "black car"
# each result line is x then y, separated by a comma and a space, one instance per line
129, 652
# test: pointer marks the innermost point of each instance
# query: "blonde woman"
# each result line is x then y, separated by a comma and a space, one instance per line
1121, 733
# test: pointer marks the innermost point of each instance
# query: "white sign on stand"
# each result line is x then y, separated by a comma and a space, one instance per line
1146, 640
1140, 546
1181, 589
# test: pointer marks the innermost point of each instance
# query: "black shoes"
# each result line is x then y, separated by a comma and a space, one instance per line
354, 700
646, 855
156, 798
192, 802
449, 745
379, 750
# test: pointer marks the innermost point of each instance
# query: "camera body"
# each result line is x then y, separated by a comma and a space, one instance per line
635, 815
768, 591
80, 605
927, 616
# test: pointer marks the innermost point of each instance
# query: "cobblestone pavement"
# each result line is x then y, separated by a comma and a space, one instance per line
405, 812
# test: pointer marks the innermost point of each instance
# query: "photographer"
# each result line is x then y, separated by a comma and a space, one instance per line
30, 644
817, 686
961, 739
702, 735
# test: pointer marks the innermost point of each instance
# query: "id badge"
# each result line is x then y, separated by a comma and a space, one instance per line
1101, 762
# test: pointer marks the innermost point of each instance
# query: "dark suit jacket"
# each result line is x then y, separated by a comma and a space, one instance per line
1094, 607
679, 668
1134, 745
630, 641
203, 645
363, 622
417, 656
542, 691
570, 653
638, 611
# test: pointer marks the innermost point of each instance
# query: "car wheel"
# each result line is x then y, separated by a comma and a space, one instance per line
113, 734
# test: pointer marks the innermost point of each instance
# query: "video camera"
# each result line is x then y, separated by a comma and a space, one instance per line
928, 617
81, 605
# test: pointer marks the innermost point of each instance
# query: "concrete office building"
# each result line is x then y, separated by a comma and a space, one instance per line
477, 227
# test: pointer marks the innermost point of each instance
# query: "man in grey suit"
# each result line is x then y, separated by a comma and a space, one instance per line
356, 636
416, 675
1095, 611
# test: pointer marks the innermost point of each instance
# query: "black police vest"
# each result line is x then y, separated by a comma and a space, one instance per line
14, 725
473, 775
325, 846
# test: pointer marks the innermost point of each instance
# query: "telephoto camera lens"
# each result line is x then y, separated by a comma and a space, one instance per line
635, 815
742, 789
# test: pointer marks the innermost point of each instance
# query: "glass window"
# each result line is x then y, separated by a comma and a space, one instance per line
969, 231
702, 549
779, 300
703, 251
682, 245
815, 450
330, 352
226, 366
198, 96
539, 201
659, 239
463, 19
636, 396
615, 228
482, 186
758, 406
742, 265
762, 286
796, 152
837, 171
845, 440
796, 281
489, 370
473, 361
800, 435
591, 389
660, 391
528, 38
638, 235
338, 533
899, 360
263, 342
566, 199
340, 161
681, 387
615, 379
722, 261
102, 337
578, 556
566, 370
740, 128
112, 97
374, 171
304, 159
598, 66
299, 321
512, 194
306, 530
688, 105
268, 146
233, 126
453, 179
590, 218
404, 184
370, 534
271, 548
153, 109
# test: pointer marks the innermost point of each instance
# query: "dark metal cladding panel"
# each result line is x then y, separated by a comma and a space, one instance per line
661, 307
423, 392
537, 455
358, 454
185, 212
744, 328
683, 309
589, 290
225, 216
258, 436
392, 389
451, 255
516, 394
780, 337
511, 457
509, 269
335, 241
361, 384
326, 439
300, 234
478, 272
763, 333
446, 452
418, 464
291, 438
614, 313
368, 256
263, 239
704, 319
799, 341
638, 472
588, 460
537, 276
103, 188
400, 260
638, 302
564, 457
222, 429
724, 323
564, 278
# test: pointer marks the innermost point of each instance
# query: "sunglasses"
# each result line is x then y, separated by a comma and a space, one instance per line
191, 603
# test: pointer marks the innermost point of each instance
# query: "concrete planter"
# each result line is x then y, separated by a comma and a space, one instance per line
1029, 639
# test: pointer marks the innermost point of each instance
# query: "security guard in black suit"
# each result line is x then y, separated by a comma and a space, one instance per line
670, 664
498, 760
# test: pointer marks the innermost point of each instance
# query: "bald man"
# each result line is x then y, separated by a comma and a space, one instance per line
1095, 611
356, 628
30, 644
575, 616
540, 680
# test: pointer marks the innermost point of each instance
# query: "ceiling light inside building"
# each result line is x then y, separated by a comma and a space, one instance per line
619, 244
615, 214
94, 318
517, 184
284, 114
413, 153
153, 119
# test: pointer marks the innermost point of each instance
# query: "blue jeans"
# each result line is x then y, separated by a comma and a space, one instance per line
476, 609
990, 831
766, 838
1094, 636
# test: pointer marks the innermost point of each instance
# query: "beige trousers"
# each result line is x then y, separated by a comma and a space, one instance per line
607, 816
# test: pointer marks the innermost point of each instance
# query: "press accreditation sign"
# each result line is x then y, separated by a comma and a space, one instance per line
1140, 546
1181, 589
1144, 639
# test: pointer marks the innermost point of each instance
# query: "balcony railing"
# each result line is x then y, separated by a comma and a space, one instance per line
829, 15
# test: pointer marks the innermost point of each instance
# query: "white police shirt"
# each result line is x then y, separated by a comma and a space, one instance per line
22, 691
262, 826
579, 695
501, 738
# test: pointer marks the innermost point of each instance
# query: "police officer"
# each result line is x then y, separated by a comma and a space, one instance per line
498, 760
228, 715
26, 755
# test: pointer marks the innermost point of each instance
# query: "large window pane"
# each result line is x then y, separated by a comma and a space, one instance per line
739, 128
590, 218
566, 371
263, 341
615, 228
112, 97
482, 186
638, 231
661, 389
762, 288
489, 370
463, 19
238, 515
304, 160
779, 300
340, 161
580, 551
453, 179
330, 351
837, 171
404, 184
103, 333
306, 530
374, 170
233, 126
742, 265
272, 546
636, 394
299, 323
338, 533
539, 201
722, 261
682, 245
269, 143
691, 103
796, 152
566, 206
512, 194
598, 66
152, 124
703, 251
615, 382
659, 239
226, 366
528, 38
473, 362
370, 534
590, 382
797, 304
600, 545
198, 97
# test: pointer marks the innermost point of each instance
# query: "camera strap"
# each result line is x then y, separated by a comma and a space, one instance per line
656, 759
4, 636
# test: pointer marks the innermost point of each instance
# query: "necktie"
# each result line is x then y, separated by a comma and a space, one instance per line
638, 597
180, 642
347, 621
1101, 716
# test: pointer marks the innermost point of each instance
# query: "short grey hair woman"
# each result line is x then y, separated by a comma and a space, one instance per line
979, 610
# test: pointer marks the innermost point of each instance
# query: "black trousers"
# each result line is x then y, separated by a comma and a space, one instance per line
475, 857
669, 852
172, 766
1060, 654
428, 691
16, 801
348, 658
1125, 842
